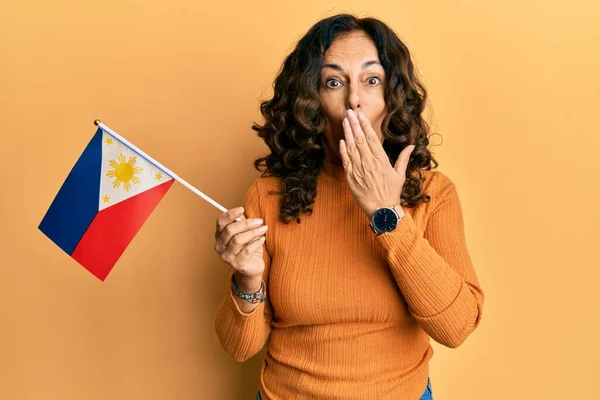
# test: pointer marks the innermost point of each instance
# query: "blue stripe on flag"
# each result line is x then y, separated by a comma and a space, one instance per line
76, 203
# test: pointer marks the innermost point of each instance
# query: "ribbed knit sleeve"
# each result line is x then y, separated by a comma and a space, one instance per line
243, 335
434, 270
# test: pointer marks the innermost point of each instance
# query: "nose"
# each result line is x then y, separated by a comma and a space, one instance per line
352, 97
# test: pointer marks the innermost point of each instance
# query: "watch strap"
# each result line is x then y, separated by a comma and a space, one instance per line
375, 231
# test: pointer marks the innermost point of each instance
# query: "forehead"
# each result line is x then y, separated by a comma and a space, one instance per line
353, 47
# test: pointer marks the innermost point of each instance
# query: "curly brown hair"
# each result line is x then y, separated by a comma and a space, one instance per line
294, 123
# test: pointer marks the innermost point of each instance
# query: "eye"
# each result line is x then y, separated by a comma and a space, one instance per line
331, 80
369, 79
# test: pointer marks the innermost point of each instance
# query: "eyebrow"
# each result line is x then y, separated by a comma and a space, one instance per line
338, 68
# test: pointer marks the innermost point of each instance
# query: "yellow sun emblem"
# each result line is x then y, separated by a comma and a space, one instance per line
124, 172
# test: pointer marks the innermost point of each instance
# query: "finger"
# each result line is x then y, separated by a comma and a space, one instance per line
345, 158
240, 241
234, 228
227, 217
360, 139
372, 138
351, 149
403, 158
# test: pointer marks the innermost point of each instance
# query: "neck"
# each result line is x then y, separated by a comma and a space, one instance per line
334, 169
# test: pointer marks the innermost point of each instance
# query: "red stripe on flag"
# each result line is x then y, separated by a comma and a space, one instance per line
113, 228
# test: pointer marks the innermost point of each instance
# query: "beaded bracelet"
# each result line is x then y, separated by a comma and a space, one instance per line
249, 297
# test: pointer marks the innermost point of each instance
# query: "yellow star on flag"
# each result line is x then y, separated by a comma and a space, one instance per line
106, 198
158, 176
109, 141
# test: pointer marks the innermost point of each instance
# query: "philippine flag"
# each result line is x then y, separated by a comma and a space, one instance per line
105, 200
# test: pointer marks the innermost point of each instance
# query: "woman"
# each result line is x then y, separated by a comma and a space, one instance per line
347, 298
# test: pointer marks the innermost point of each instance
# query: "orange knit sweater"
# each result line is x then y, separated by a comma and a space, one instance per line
349, 315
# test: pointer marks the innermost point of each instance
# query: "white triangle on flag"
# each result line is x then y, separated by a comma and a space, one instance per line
125, 173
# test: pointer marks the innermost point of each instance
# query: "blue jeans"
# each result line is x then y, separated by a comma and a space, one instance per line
427, 395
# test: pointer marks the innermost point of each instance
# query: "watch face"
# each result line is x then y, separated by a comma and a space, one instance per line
385, 220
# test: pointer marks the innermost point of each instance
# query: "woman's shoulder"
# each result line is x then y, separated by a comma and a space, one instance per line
261, 187
264, 184
436, 183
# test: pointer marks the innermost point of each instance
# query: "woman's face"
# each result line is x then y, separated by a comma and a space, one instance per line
351, 77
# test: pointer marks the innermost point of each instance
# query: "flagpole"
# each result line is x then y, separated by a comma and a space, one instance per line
99, 124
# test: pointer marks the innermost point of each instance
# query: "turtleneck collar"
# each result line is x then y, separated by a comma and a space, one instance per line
335, 171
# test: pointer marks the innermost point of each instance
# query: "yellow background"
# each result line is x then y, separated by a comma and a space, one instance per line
514, 90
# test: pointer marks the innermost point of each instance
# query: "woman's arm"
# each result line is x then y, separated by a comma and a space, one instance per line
246, 285
243, 328
434, 271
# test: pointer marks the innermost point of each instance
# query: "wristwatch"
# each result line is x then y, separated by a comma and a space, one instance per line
385, 219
